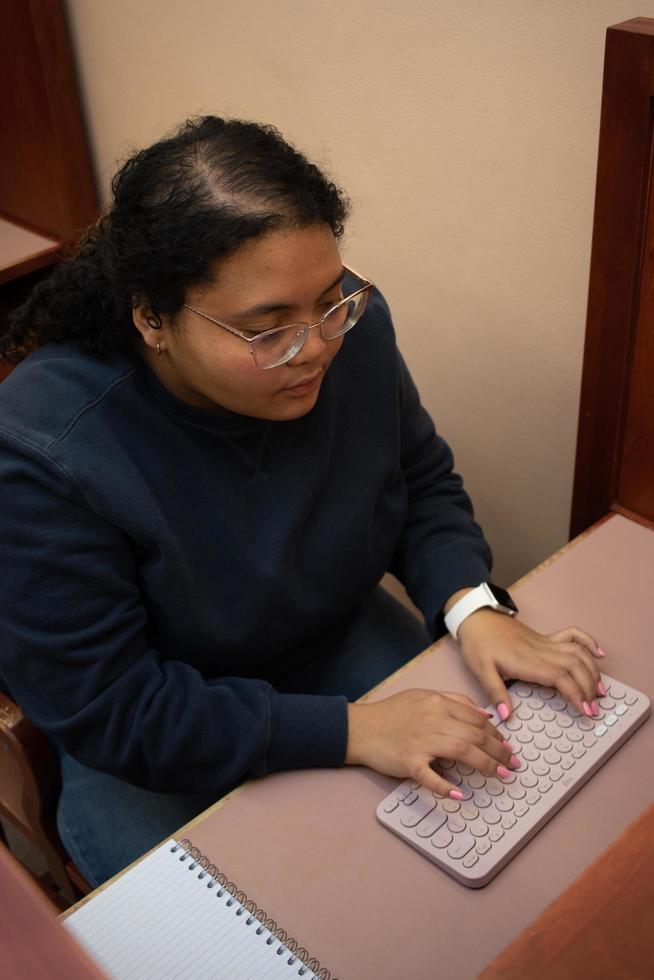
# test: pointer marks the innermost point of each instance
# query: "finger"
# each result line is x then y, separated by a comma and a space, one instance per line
461, 750
433, 781
574, 634
497, 693
465, 711
588, 673
464, 699
489, 740
554, 672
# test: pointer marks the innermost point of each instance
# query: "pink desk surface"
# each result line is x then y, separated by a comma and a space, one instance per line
306, 846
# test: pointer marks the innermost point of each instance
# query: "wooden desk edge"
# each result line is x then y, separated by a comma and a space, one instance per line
184, 831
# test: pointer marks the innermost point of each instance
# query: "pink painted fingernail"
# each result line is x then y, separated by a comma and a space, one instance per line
503, 772
456, 794
503, 711
601, 689
593, 707
586, 708
600, 652
515, 761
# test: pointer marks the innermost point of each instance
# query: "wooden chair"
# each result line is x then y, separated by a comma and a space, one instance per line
29, 790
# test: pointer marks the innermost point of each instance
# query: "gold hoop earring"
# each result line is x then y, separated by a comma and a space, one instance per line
159, 348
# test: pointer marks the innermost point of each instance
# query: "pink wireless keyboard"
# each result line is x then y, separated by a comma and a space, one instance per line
559, 750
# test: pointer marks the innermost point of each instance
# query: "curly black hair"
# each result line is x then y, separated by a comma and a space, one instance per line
178, 206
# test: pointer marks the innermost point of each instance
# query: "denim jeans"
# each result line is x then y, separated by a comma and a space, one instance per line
106, 823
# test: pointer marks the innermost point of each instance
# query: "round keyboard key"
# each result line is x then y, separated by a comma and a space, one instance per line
410, 799
574, 735
469, 812
535, 726
528, 781
535, 703
620, 709
601, 730
466, 792
547, 715
522, 690
568, 762
552, 757
390, 806
589, 741
463, 769
610, 720
470, 861
494, 787
540, 768
563, 746
513, 724
482, 799
517, 792
496, 834
477, 781
553, 731
530, 753
521, 809
454, 777
532, 797
630, 699
504, 805
414, 785
442, 839
524, 713
606, 703
578, 752
585, 724
482, 847
564, 721
555, 774
542, 742
491, 816
546, 693
456, 825
544, 786
616, 691
524, 737
451, 806
573, 711
558, 704
478, 828
508, 821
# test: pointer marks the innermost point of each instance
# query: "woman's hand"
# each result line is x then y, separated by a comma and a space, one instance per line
495, 647
403, 734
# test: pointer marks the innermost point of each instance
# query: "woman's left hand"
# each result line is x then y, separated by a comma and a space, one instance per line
497, 647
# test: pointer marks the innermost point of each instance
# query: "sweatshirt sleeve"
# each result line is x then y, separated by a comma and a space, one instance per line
441, 548
75, 655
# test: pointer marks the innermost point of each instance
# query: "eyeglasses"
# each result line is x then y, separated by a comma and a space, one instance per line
273, 347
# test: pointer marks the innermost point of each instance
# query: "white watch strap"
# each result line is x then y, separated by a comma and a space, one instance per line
467, 604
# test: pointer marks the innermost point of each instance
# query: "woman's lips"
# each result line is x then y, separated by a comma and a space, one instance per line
305, 386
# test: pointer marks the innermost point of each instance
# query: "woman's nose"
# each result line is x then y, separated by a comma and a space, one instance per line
314, 347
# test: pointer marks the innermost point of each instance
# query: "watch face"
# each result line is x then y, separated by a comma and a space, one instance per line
502, 596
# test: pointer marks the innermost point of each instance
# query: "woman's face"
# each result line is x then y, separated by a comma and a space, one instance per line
289, 276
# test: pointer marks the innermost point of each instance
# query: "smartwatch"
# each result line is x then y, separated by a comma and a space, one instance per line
485, 594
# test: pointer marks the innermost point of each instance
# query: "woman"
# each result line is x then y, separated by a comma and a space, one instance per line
210, 456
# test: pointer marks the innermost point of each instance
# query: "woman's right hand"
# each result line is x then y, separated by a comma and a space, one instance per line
403, 734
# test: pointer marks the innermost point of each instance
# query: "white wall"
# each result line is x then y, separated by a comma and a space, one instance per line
466, 133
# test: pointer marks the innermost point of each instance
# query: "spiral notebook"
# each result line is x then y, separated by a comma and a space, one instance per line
176, 915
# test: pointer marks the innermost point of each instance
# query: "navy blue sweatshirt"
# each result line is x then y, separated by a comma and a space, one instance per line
162, 565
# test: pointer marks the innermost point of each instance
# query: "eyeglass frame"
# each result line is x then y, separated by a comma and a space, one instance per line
267, 333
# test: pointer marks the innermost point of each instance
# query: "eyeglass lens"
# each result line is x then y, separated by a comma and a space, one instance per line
277, 348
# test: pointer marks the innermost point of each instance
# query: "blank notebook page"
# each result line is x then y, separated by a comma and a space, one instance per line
161, 920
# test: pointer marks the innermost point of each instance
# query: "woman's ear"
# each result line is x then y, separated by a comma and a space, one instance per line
148, 324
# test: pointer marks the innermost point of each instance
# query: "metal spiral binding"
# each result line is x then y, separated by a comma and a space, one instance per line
265, 922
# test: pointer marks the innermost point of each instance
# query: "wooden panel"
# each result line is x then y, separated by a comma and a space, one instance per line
623, 180
601, 925
46, 180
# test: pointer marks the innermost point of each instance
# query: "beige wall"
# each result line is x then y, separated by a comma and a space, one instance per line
466, 134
